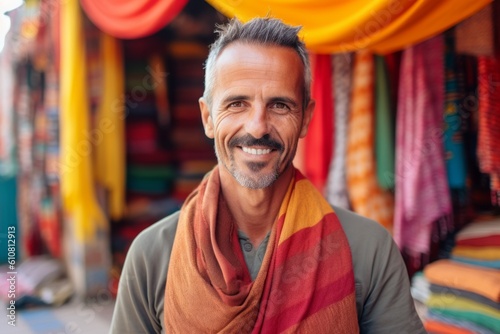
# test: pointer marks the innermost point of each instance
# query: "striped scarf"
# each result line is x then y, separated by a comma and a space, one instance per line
305, 284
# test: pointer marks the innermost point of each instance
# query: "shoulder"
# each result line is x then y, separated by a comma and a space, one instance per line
149, 255
139, 303
361, 232
372, 247
383, 297
157, 238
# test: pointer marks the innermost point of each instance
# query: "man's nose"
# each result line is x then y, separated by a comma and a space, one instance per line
257, 123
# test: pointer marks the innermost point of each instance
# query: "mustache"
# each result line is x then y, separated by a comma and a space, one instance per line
249, 140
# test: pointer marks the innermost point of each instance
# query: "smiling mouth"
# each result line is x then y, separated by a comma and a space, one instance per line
256, 151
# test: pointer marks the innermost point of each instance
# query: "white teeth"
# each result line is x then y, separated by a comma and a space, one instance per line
256, 151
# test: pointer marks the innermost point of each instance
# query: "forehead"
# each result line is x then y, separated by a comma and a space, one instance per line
246, 63
261, 53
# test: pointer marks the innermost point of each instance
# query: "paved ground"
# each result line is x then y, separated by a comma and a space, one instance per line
71, 318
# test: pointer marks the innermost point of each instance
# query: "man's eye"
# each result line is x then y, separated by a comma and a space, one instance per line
280, 106
236, 104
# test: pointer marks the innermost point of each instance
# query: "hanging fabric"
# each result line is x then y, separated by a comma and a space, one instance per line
133, 18
319, 139
49, 209
339, 26
393, 64
422, 195
46, 152
488, 150
453, 134
336, 187
7, 142
475, 35
52, 109
478, 185
384, 127
77, 182
7, 138
366, 196
30, 244
161, 91
110, 127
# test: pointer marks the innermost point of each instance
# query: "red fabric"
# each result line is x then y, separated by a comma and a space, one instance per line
488, 150
319, 139
133, 18
393, 62
50, 227
437, 327
491, 240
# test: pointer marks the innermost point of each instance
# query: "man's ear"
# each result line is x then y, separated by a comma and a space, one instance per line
308, 114
206, 118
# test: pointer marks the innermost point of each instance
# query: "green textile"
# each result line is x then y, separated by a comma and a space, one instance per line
384, 127
150, 186
162, 172
478, 318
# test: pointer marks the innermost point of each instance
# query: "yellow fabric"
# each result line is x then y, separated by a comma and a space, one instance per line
309, 198
77, 187
483, 281
337, 25
109, 131
480, 253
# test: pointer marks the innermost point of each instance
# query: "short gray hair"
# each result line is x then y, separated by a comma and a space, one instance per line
263, 31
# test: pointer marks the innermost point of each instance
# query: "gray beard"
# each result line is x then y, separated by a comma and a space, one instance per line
247, 181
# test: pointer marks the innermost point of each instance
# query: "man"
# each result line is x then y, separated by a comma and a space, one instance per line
256, 248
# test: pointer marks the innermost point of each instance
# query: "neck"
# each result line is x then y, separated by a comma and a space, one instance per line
255, 210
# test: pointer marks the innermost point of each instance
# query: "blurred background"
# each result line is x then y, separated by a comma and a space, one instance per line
101, 136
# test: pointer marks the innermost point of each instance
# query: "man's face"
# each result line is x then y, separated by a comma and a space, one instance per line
256, 116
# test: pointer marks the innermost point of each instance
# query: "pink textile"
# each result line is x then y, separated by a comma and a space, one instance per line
422, 194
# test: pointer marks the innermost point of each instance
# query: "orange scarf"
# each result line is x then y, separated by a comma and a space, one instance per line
366, 196
305, 284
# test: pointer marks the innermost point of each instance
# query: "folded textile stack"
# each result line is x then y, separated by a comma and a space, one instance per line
420, 288
420, 291
464, 298
479, 243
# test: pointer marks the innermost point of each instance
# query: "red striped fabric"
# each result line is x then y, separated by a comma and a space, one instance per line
312, 267
305, 284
